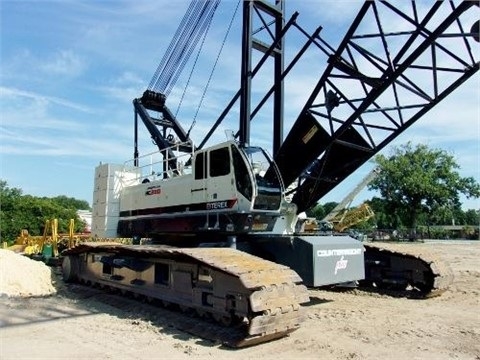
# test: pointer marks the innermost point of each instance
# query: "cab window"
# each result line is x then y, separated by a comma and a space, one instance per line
243, 182
200, 166
219, 162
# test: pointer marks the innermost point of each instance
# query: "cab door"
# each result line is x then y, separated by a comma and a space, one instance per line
199, 188
221, 184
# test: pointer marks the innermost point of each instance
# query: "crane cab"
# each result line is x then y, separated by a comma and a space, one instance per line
228, 172
224, 189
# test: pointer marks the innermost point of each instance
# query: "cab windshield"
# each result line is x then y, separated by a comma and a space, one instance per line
268, 183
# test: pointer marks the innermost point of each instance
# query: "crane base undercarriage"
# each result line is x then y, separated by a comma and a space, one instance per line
259, 299
253, 299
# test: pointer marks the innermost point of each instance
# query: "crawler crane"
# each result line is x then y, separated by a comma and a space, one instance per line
222, 240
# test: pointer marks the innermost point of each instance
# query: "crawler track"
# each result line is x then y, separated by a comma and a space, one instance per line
256, 300
168, 317
402, 271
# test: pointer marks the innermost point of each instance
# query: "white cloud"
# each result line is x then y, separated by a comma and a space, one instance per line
13, 93
64, 143
64, 63
125, 94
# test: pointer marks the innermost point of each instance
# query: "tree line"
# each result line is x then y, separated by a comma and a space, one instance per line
19, 211
429, 223
419, 187
385, 220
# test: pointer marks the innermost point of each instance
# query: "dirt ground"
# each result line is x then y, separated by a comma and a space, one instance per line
339, 325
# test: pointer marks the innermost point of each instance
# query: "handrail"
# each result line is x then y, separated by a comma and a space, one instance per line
164, 172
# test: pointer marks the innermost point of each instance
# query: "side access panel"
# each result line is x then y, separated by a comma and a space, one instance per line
319, 260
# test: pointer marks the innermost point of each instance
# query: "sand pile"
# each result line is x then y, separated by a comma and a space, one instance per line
21, 276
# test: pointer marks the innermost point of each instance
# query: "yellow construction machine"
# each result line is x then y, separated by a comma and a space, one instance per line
44, 247
351, 217
48, 246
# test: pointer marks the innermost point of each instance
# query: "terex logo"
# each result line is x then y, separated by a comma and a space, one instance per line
217, 205
153, 190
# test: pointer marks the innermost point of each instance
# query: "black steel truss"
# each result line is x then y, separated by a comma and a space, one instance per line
394, 65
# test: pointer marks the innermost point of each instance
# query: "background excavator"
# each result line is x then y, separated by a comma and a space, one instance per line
343, 216
217, 231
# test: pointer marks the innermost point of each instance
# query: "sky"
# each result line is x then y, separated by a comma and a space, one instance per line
70, 70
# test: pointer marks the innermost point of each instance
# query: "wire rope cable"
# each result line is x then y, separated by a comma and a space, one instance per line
193, 26
213, 68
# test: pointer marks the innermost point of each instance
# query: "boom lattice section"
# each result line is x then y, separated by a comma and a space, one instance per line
395, 63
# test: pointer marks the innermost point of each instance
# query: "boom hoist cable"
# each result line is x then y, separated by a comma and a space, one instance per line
213, 68
193, 26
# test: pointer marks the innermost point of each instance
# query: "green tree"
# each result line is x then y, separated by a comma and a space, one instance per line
416, 181
329, 206
9, 199
318, 212
385, 218
19, 212
71, 203
472, 217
